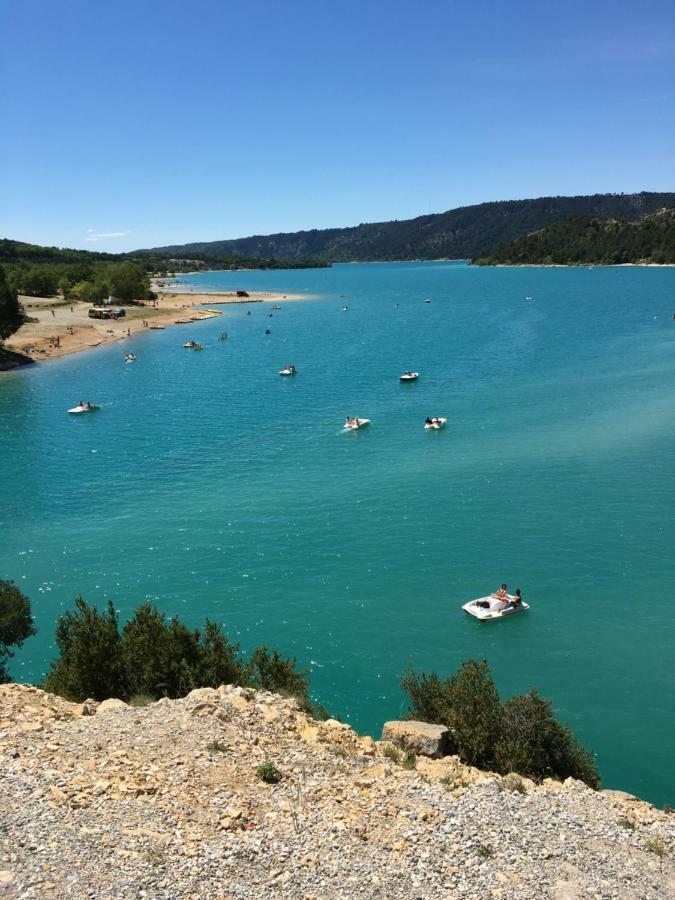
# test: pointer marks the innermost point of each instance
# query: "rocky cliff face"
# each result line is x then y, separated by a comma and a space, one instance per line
166, 801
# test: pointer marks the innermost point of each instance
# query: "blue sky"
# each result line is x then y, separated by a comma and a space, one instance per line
136, 124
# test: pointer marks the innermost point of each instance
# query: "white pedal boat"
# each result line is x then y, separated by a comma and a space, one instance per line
495, 609
129, 358
435, 424
356, 424
288, 370
83, 408
409, 376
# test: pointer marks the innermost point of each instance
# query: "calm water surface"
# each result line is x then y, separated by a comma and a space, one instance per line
219, 489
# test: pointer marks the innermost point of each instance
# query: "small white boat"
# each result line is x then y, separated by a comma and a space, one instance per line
181, 321
409, 376
345, 309
435, 424
488, 608
83, 408
427, 301
130, 357
189, 345
288, 370
356, 424
157, 327
528, 297
275, 307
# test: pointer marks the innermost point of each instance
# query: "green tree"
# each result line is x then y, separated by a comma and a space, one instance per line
520, 735
90, 660
100, 288
156, 657
82, 290
39, 281
126, 281
220, 660
271, 671
10, 312
160, 658
534, 744
65, 286
16, 623
147, 652
467, 703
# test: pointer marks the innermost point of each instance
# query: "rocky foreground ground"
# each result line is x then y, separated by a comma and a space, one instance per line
165, 801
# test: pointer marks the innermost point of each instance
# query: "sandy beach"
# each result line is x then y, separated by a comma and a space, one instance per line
60, 328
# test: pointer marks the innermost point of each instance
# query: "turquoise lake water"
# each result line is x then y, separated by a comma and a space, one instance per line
214, 486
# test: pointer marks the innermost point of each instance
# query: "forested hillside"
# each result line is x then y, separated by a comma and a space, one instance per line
584, 240
462, 233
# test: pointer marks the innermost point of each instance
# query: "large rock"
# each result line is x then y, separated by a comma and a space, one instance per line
112, 703
421, 737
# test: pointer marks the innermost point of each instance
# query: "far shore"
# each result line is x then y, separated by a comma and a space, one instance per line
578, 266
61, 328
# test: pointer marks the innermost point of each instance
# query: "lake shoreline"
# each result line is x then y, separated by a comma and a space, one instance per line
61, 328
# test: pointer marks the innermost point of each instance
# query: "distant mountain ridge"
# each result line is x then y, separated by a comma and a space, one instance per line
584, 240
462, 233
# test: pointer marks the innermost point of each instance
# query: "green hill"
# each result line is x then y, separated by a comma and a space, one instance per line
584, 240
461, 233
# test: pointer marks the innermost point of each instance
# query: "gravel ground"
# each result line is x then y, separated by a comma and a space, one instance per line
165, 802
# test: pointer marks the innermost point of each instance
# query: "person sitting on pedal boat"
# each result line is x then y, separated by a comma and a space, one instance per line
516, 602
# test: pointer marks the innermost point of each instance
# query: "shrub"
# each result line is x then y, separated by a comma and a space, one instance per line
520, 735
409, 760
393, 753
656, 846
534, 744
468, 703
16, 623
270, 671
513, 784
139, 700
153, 657
217, 747
90, 662
269, 773
220, 662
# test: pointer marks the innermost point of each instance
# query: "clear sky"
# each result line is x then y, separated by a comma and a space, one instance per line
137, 123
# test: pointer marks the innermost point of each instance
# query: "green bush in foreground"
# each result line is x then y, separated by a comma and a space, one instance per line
16, 623
269, 773
520, 735
152, 657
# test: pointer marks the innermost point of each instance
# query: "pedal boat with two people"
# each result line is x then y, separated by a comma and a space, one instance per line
82, 408
356, 424
495, 607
